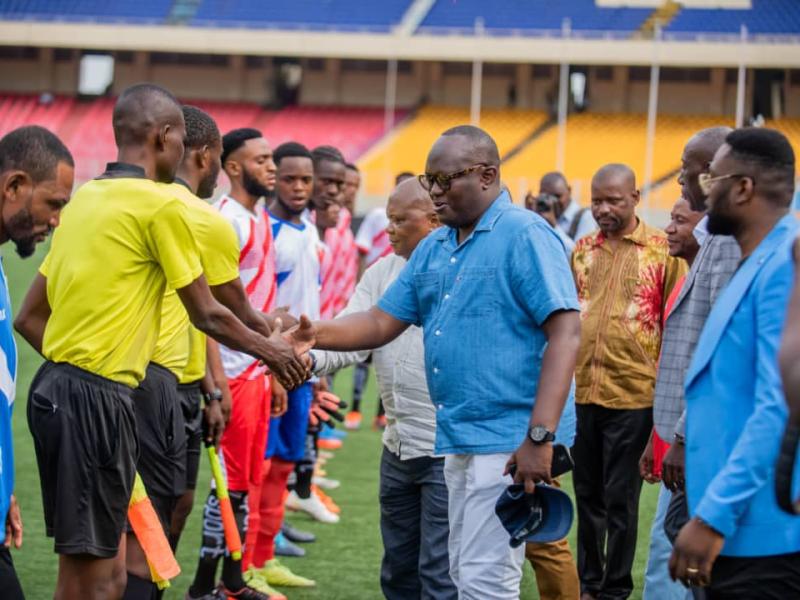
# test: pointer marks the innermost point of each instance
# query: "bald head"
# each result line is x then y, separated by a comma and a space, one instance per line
615, 174
142, 108
411, 216
696, 159
149, 130
463, 176
481, 147
614, 200
555, 184
706, 142
409, 193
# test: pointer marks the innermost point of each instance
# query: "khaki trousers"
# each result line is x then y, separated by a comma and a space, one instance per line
556, 574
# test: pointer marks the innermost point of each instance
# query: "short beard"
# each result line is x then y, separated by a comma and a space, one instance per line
22, 221
253, 187
206, 187
722, 225
719, 221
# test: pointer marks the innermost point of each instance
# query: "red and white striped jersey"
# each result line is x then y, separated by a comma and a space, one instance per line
372, 239
257, 272
327, 271
344, 254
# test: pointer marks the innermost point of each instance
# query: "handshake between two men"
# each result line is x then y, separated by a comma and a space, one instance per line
292, 364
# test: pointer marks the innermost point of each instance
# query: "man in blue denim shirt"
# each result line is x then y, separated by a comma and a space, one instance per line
496, 300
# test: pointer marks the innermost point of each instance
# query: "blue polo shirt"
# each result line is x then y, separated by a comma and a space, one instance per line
481, 305
8, 382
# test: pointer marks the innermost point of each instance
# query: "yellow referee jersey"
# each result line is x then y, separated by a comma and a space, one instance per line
121, 242
181, 348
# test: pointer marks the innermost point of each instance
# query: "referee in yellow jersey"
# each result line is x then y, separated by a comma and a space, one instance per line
93, 311
170, 432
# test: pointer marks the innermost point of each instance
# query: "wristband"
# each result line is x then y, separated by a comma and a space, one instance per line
215, 396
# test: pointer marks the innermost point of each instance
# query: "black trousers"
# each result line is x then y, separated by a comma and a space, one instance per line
607, 449
414, 528
10, 588
762, 577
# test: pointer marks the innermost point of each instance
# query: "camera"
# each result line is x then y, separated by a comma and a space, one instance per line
546, 203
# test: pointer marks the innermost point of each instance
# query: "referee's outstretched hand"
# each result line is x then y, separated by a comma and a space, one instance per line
283, 359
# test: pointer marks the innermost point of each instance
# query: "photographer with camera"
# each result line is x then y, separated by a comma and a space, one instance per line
573, 220
548, 206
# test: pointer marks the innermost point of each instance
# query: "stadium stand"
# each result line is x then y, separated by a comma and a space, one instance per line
141, 11
514, 17
406, 148
346, 15
500, 17
597, 139
592, 139
15, 110
86, 126
231, 115
352, 130
764, 17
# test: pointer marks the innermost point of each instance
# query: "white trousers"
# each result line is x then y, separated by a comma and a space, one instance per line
483, 565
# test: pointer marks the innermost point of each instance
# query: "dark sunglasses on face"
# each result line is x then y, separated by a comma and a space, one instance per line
444, 180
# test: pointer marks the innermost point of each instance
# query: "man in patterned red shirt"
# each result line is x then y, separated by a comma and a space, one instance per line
624, 275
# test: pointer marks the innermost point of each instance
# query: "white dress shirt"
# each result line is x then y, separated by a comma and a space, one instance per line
399, 366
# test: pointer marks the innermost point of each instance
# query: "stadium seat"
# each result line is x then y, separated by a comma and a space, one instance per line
597, 139
348, 15
407, 147
764, 17
352, 130
141, 11
86, 126
514, 17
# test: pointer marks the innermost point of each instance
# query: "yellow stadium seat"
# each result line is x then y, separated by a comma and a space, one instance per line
407, 147
594, 140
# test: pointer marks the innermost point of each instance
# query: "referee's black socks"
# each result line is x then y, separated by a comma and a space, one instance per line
140, 589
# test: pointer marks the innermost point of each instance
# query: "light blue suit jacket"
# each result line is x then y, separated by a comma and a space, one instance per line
736, 411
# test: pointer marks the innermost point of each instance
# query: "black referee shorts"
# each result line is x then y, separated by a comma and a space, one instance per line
191, 405
162, 438
84, 433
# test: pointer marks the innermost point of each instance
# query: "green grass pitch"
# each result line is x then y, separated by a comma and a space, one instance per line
345, 560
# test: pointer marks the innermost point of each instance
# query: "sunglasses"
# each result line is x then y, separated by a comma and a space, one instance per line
444, 181
707, 182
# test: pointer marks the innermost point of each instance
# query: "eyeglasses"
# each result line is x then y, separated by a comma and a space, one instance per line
707, 182
444, 181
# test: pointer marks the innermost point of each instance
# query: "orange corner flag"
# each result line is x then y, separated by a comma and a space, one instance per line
232, 539
150, 533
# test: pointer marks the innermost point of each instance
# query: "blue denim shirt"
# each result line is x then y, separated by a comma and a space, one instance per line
481, 305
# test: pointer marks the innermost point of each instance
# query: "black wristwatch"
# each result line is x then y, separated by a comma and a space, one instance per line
215, 396
539, 434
